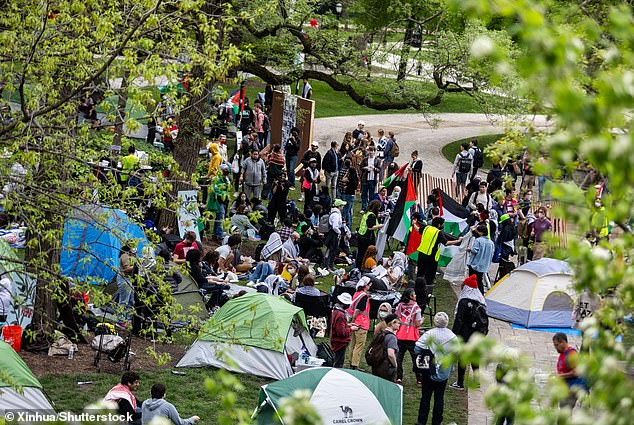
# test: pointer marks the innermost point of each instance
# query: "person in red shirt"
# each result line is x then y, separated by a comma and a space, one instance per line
180, 251
340, 329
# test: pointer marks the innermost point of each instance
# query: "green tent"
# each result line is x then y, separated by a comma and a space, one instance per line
254, 334
340, 396
18, 374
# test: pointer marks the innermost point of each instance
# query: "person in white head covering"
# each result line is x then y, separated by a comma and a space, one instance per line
439, 340
340, 328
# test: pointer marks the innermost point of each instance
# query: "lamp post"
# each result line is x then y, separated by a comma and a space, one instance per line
338, 9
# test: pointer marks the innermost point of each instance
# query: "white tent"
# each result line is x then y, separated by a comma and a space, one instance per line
31, 396
253, 334
539, 293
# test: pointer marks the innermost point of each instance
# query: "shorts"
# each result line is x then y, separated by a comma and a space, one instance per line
461, 178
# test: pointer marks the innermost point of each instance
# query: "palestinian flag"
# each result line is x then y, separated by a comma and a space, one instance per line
402, 212
413, 242
237, 98
455, 216
398, 175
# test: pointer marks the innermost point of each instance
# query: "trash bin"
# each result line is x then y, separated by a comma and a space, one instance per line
13, 336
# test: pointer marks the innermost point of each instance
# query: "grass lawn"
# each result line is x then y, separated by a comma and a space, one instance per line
451, 150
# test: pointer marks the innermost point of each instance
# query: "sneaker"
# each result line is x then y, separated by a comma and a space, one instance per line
399, 382
251, 284
419, 384
323, 272
455, 386
292, 188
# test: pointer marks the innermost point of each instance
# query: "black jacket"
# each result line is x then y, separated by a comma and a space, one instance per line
464, 319
308, 155
330, 161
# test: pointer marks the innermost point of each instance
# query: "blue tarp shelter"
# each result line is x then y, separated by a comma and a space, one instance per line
92, 239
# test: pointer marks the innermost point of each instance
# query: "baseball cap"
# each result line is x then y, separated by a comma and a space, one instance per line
362, 123
339, 203
315, 144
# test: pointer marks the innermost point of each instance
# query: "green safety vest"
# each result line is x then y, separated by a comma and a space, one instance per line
363, 227
428, 241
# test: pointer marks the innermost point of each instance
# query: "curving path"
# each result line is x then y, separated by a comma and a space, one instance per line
413, 131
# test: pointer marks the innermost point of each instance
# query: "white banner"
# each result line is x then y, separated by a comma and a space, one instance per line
188, 212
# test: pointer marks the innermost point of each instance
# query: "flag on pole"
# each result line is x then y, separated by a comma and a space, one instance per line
455, 216
402, 212
397, 176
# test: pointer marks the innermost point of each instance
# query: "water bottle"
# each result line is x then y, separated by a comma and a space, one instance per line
304, 355
71, 352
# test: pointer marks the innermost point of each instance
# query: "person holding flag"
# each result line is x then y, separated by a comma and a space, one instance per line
432, 236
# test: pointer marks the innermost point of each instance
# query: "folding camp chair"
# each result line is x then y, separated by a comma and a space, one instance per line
121, 352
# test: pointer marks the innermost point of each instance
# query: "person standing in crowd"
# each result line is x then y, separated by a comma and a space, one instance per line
360, 311
540, 226
170, 132
275, 164
465, 320
480, 255
258, 124
380, 146
335, 232
158, 407
432, 236
129, 164
410, 315
253, 175
151, 130
510, 205
478, 158
462, 166
369, 223
331, 167
505, 242
127, 403
348, 181
388, 152
416, 166
340, 329
279, 197
222, 148
439, 340
370, 169
480, 197
312, 153
310, 183
217, 200
291, 150
358, 132
567, 368
307, 89
214, 162
125, 289
387, 369
245, 118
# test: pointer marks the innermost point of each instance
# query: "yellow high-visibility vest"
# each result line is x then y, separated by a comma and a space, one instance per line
428, 241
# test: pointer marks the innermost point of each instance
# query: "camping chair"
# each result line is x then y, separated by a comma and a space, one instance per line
121, 352
430, 309
314, 306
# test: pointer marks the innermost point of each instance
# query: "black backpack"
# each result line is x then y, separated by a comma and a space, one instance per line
325, 352
464, 163
478, 157
257, 255
480, 318
425, 363
375, 354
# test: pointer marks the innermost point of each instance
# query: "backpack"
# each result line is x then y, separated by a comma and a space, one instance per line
325, 352
324, 223
257, 255
425, 363
478, 157
375, 354
480, 318
266, 124
395, 151
464, 163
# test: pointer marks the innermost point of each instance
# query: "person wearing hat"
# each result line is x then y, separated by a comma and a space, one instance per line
480, 255
469, 300
360, 311
310, 183
311, 153
340, 328
335, 232
439, 340
505, 242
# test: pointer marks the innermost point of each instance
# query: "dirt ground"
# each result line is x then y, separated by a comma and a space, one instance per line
82, 362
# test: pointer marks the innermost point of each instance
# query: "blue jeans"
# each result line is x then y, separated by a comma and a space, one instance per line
262, 270
125, 297
220, 215
347, 209
291, 161
367, 193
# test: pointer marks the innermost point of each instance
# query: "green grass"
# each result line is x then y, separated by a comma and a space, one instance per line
451, 150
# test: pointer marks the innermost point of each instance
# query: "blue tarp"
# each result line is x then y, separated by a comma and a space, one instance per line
92, 240
567, 331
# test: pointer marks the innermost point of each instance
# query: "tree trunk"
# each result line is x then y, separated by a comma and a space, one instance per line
120, 113
402, 66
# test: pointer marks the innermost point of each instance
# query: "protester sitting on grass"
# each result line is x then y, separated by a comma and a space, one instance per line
122, 395
240, 200
181, 248
369, 262
235, 262
158, 407
244, 225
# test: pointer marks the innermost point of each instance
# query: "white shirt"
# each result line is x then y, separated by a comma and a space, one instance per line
223, 251
335, 221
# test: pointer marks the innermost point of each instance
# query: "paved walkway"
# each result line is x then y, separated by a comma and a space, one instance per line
413, 131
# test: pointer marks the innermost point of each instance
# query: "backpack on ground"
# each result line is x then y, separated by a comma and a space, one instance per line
375, 354
464, 163
478, 157
480, 318
324, 224
325, 352
395, 151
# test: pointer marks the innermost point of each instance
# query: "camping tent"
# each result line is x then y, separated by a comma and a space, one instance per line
338, 396
539, 293
254, 334
92, 240
32, 396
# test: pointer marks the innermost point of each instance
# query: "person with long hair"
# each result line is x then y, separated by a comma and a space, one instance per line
410, 315
369, 262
